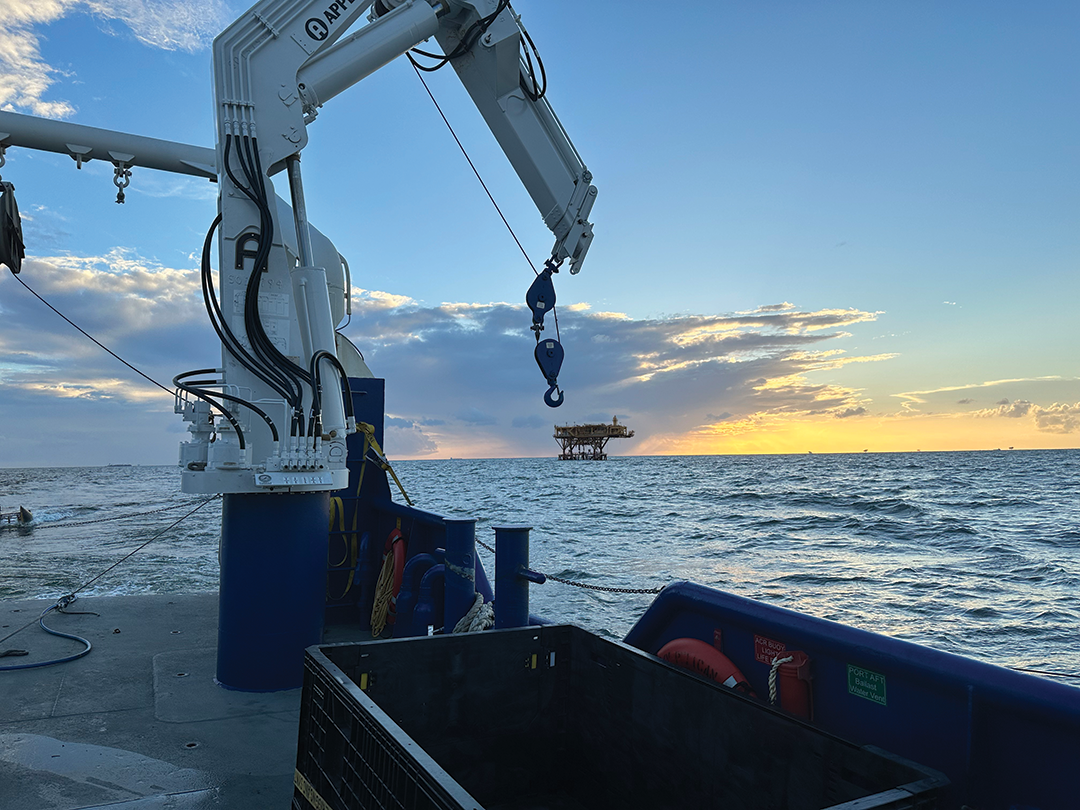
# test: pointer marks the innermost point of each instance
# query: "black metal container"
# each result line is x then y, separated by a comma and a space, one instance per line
555, 717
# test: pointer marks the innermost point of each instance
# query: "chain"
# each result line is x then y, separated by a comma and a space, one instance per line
603, 587
121, 179
64, 601
586, 585
107, 519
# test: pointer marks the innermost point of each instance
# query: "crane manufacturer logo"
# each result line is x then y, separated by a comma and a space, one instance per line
319, 29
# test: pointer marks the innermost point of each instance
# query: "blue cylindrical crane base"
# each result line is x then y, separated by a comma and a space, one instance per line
273, 587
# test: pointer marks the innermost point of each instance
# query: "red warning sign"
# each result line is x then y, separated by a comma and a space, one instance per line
765, 649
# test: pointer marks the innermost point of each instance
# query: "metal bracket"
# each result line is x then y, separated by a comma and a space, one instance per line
78, 153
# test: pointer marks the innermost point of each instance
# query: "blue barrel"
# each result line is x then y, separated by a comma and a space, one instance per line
273, 587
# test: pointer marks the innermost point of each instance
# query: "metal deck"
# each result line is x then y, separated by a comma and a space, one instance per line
139, 722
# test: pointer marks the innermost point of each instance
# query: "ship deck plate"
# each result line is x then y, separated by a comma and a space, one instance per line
139, 722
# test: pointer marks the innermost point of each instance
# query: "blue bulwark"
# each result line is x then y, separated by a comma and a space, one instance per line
1004, 739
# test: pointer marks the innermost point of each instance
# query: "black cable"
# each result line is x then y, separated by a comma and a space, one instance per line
256, 177
537, 90
274, 368
220, 394
176, 522
260, 341
331, 358
94, 340
265, 370
50, 631
221, 324
468, 39
220, 408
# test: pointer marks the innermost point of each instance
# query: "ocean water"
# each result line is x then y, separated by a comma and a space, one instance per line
971, 553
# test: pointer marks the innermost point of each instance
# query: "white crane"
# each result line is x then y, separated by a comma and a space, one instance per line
272, 417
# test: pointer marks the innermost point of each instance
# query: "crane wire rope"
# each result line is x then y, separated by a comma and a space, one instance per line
92, 339
487, 191
102, 346
70, 597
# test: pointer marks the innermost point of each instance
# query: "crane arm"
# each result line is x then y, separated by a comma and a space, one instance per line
487, 37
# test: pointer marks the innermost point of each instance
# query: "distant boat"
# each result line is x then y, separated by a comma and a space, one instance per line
20, 518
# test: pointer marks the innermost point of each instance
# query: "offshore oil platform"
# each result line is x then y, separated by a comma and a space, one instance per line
587, 442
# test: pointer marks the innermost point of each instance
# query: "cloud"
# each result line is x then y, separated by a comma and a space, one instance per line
1058, 418
25, 76
1011, 410
912, 399
847, 412
1055, 418
475, 362
149, 314
171, 25
1022, 406
711, 417
408, 438
475, 416
531, 421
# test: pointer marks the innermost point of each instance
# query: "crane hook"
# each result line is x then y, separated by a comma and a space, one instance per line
549, 356
550, 401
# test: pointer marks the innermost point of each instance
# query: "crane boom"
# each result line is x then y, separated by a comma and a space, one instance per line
505, 91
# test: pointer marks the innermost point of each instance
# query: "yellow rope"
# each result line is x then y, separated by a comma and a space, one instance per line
384, 590
369, 434
337, 511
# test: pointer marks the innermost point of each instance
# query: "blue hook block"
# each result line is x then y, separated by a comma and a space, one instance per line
541, 298
549, 356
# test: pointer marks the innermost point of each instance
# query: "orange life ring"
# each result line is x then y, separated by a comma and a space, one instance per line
705, 659
395, 544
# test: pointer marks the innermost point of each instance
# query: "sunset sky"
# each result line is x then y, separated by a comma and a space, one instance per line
821, 227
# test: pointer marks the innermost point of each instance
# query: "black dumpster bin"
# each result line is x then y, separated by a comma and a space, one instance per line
556, 717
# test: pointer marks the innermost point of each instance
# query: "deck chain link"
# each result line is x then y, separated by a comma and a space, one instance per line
586, 585
107, 519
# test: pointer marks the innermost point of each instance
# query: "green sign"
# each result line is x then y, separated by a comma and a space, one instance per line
866, 684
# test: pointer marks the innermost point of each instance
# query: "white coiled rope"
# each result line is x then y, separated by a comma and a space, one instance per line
481, 616
776, 662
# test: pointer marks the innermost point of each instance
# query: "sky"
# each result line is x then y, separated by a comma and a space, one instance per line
821, 227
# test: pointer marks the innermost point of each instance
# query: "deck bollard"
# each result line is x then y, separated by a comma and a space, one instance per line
512, 576
460, 591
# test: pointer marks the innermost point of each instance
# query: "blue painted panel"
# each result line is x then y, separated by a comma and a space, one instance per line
1005, 739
